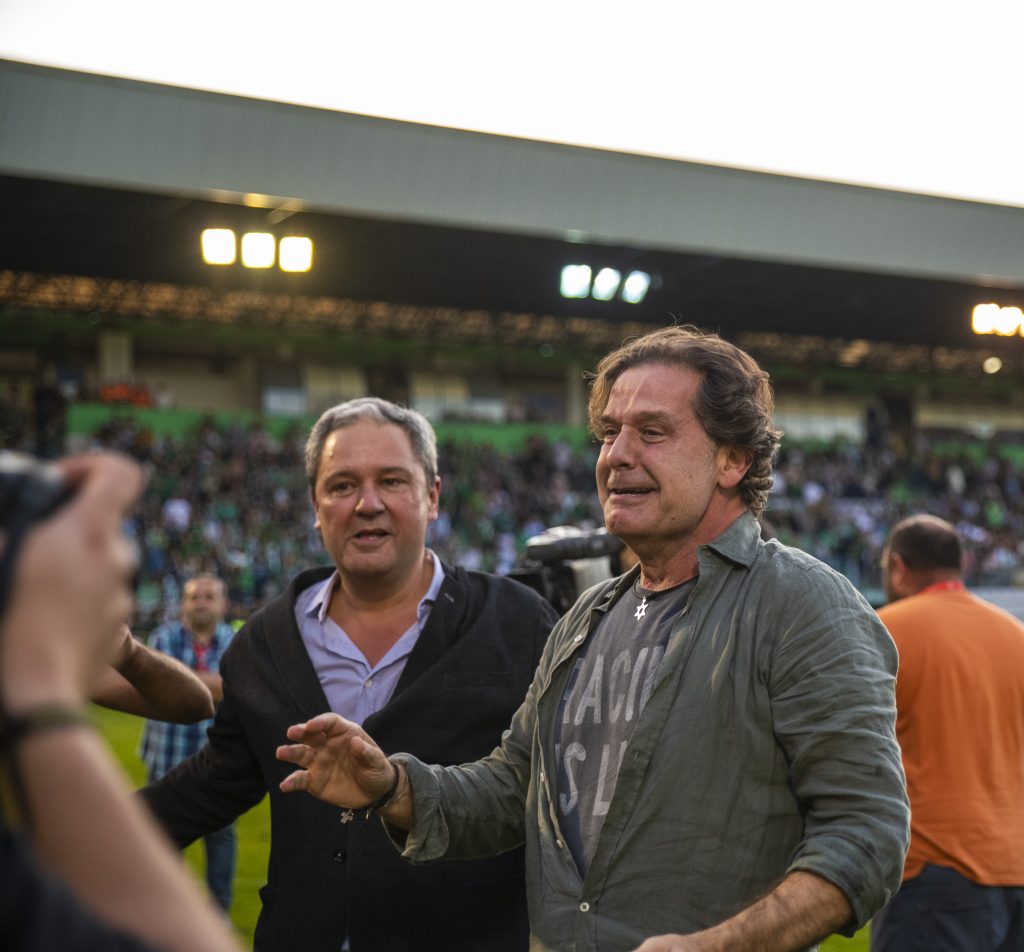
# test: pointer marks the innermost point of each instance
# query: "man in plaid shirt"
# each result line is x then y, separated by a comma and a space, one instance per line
199, 641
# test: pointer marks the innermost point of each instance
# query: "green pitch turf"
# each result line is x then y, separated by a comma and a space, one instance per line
122, 732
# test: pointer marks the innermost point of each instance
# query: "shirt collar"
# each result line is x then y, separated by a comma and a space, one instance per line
740, 541
427, 602
221, 629
317, 606
950, 585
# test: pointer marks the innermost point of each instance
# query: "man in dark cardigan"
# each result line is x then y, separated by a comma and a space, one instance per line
430, 658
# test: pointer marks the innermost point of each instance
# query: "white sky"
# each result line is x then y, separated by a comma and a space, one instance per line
918, 96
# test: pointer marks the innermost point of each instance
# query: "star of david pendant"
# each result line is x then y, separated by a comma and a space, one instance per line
641, 609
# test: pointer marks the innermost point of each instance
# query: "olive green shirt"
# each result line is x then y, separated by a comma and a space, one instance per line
766, 746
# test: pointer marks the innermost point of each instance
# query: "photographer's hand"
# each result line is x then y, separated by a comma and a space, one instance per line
71, 589
62, 625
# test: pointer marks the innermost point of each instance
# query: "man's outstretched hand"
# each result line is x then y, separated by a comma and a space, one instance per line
339, 762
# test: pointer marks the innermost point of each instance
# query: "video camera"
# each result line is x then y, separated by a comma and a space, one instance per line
564, 561
30, 489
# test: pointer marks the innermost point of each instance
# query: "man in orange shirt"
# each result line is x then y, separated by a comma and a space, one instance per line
960, 723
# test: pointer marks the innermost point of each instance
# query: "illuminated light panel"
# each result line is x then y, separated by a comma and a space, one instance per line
576, 281
993, 319
258, 249
635, 287
218, 245
606, 283
295, 254
255, 200
992, 365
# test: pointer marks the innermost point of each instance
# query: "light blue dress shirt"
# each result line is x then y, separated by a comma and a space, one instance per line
353, 687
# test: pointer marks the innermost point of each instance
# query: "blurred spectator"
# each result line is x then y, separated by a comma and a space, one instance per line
198, 641
14, 422
127, 393
49, 414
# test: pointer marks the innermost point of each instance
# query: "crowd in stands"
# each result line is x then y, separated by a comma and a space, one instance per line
235, 501
839, 503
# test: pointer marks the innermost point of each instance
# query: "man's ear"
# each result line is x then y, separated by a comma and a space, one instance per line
898, 574
434, 499
733, 464
316, 512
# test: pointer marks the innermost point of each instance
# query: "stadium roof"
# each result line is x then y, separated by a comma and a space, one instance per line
112, 179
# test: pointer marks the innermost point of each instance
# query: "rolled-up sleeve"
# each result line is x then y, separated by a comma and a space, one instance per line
832, 682
477, 809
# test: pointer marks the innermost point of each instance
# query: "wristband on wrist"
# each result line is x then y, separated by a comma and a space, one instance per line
389, 794
378, 804
14, 728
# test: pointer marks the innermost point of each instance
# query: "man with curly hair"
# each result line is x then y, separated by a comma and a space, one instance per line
706, 758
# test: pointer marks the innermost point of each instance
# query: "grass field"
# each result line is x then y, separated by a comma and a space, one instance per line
122, 732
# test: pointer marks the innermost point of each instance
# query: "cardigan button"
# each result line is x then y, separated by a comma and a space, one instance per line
584, 907
339, 856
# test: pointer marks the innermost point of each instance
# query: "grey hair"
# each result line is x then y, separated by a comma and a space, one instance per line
415, 424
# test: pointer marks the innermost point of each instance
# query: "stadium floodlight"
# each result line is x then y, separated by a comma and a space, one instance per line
295, 254
606, 283
992, 365
218, 245
258, 249
576, 280
993, 319
635, 287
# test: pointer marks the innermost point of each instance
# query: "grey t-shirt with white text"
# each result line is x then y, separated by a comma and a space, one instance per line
606, 691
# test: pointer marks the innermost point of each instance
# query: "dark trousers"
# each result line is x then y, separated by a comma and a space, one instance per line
942, 911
